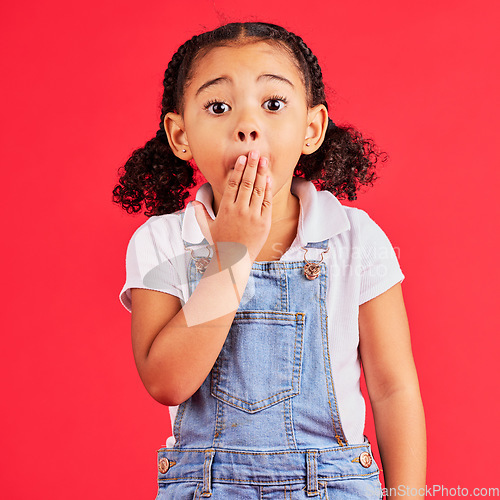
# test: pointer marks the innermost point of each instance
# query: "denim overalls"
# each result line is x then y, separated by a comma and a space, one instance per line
265, 422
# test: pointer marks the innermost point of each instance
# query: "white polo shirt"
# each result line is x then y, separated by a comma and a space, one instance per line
361, 263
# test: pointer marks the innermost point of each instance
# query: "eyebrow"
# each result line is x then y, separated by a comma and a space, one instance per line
226, 79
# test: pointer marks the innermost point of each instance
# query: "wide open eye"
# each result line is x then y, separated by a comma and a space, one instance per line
275, 104
217, 107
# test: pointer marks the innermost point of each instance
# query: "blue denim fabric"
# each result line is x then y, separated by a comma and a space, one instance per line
265, 422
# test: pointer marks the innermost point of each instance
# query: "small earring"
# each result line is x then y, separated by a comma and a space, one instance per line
183, 150
307, 144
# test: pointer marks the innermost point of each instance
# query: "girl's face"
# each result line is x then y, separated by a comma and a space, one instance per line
241, 99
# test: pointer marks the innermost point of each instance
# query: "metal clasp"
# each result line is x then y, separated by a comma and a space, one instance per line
312, 269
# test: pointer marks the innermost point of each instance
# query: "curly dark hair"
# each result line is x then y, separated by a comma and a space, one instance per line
156, 177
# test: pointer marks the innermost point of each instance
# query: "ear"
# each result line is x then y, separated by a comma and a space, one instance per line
176, 134
317, 123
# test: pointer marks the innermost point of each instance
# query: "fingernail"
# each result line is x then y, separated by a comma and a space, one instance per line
263, 162
254, 155
242, 160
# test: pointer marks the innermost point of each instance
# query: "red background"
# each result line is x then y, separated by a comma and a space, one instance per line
81, 87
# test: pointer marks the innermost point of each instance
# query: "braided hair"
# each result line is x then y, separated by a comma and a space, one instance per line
155, 177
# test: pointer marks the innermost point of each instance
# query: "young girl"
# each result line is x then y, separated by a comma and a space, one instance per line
254, 306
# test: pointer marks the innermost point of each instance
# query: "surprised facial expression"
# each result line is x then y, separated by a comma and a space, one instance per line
243, 98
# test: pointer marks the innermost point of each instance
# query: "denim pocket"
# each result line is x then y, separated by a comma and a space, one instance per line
355, 489
260, 362
184, 490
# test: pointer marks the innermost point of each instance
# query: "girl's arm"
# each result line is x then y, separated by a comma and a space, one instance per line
392, 384
174, 348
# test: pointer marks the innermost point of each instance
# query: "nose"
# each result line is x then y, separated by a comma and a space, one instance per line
246, 130
247, 136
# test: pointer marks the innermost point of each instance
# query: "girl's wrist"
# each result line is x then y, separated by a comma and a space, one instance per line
230, 253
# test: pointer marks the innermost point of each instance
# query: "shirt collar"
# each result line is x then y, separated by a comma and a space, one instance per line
321, 213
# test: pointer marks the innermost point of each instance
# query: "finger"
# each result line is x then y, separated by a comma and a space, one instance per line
233, 182
259, 188
248, 179
267, 202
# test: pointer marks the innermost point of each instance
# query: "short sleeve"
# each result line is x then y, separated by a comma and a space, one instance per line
151, 263
380, 269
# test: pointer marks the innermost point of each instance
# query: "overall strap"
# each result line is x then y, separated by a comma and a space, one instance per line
317, 244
